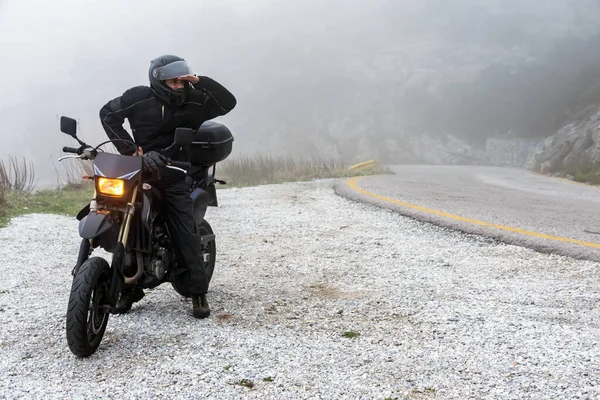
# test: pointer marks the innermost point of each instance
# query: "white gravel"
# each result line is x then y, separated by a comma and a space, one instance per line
440, 314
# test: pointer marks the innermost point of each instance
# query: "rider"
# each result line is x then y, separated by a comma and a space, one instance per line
176, 98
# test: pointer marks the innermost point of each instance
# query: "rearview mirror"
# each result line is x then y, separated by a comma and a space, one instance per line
68, 126
184, 136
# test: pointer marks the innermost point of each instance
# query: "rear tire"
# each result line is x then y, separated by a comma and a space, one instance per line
208, 254
209, 251
86, 318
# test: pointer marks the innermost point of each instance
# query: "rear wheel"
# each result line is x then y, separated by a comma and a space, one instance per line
208, 253
208, 250
86, 315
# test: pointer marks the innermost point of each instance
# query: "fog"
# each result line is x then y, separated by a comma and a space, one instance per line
351, 78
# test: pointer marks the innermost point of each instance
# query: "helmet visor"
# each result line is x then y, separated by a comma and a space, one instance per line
171, 71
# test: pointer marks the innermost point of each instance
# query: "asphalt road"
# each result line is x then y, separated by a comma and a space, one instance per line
511, 205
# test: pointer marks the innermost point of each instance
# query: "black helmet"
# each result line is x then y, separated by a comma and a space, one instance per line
169, 67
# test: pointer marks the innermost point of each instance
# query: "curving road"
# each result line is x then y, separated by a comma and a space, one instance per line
510, 205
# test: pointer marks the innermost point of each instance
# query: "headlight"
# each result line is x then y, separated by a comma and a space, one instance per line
111, 187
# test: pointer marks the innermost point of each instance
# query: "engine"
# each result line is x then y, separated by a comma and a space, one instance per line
161, 258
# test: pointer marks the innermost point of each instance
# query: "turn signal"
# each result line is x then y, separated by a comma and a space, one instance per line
111, 187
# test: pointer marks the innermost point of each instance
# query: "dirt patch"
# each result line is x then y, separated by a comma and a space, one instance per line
327, 291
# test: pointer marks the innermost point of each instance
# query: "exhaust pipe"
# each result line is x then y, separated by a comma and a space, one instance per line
140, 269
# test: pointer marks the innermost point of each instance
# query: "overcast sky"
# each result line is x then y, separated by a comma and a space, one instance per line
69, 57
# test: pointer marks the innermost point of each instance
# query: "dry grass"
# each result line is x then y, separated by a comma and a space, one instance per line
16, 176
17, 181
73, 171
260, 170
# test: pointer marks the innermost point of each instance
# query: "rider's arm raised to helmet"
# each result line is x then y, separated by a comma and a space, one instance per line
113, 115
216, 98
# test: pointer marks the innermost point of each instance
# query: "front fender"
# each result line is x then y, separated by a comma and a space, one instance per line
94, 225
84, 211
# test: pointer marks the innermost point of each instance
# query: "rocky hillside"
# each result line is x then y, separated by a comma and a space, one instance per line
574, 151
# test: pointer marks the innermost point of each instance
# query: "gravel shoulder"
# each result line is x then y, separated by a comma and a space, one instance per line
440, 314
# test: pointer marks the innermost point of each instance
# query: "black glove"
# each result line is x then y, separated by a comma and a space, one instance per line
152, 161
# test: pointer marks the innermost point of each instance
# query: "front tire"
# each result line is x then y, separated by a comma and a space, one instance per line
86, 316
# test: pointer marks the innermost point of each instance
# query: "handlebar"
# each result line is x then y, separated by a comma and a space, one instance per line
89, 153
70, 150
179, 164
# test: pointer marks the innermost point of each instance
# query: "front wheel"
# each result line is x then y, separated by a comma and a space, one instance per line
87, 315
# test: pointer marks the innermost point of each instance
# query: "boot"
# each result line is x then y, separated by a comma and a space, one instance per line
201, 309
129, 295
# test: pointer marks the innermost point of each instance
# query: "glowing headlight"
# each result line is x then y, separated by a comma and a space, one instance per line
111, 187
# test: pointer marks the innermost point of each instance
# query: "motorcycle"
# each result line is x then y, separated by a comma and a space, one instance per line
126, 218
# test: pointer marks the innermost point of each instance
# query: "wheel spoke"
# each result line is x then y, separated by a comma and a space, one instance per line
96, 313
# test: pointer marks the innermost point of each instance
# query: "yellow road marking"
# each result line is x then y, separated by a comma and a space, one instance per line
352, 182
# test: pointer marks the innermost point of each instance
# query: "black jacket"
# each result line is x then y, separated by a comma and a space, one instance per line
153, 122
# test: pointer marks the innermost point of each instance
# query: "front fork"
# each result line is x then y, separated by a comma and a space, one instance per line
119, 253
85, 248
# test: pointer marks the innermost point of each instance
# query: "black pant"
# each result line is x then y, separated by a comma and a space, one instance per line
190, 276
